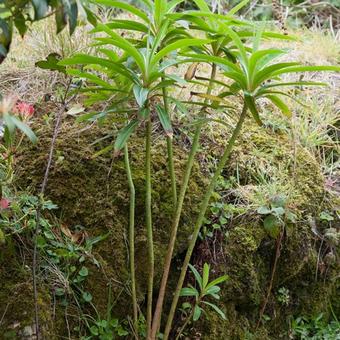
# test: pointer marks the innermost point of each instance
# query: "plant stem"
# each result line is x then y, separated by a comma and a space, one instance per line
148, 216
186, 322
200, 218
171, 166
159, 306
132, 237
277, 255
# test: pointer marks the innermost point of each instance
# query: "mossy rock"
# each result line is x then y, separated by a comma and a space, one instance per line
17, 308
93, 192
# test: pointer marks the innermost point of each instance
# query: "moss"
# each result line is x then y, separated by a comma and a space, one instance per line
17, 303
94, 193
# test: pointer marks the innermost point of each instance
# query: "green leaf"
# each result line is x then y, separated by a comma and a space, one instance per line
125, 6
20, 24
60, 18
83, 272
216, 309
217, 281
197, 276
87, 296
164, 118
141, 94
212, 290
250, 102
205, 278
294, 69
40, 8
124, 134
160, 10
272, 226
239, 6
281, 105
51, 63
187, 291
25, 129
264, 210
177, 45
91, 17
197, 313
124, 44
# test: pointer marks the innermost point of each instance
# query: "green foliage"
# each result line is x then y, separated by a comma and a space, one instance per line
20, 14
277, 214
205, 290
315, 328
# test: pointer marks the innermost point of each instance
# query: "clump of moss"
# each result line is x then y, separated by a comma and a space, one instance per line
17, 303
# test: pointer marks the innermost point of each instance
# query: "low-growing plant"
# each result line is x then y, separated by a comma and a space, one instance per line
316, 328
205, 290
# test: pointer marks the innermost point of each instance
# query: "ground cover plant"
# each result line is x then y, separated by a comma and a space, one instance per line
128, 87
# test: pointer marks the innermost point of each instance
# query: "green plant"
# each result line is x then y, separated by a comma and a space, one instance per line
129, 75
283, 296
21, 13
276, 215
141, 68
315, 328
205, 290
250, 82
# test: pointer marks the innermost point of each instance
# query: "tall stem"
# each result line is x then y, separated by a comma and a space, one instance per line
148, 215
176, 219
200, 219
171, 166
132, 237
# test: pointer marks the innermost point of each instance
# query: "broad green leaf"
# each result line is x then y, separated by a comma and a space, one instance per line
264, 210
51, 63
272, 226
87, 296
141, 94
20, 24
197, 275
124, 134
83, 271
197, 313
164, 118
216, 309
187, 291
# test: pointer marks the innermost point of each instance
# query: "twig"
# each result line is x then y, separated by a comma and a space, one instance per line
277, 255
38, 215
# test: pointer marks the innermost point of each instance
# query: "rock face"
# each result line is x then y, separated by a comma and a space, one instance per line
93, 193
